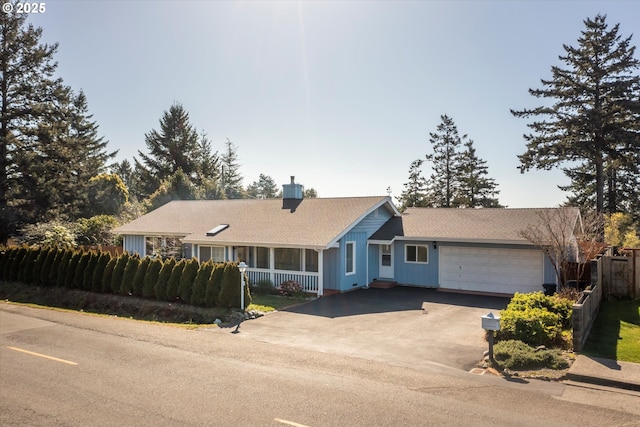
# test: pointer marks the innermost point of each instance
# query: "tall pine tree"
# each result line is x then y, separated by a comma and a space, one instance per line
27, 84
475, 188
445, 159
592, 116
176, 146
415, 190
231, 177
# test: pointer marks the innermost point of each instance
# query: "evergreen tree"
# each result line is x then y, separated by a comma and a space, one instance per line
475, 189
63, 267
174, 281
118, 273
200, 283
129, 273
230, 177
593, 116
27, 83
108, 274
264, 188
414, 193
161, 285
71, 269
107, 195
151, 279
61, 157
186, 280
230, 292
49, 263
78, 277
99, 271
87, 276
214, 285
176, 146
138, 279
445, 163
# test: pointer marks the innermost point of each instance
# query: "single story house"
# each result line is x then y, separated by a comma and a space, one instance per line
339, 244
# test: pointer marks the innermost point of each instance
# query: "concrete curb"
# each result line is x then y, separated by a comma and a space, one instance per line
605, 372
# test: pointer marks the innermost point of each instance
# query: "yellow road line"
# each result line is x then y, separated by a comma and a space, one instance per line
290, 423
68, 362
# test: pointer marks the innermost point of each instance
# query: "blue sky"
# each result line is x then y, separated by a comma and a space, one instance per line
342, 95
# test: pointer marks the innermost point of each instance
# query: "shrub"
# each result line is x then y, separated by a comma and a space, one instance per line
264, 287
71, 269
78, 276
87, 276
174, 281
138, 278
49, 273
200, 283
291, 288
536, 319
126, 288
16, 263
230, 292
118, 273
99, 272
108, 274
160, 288
26, 272
63, 266
151, 278
514, 354
187, 278
214, 285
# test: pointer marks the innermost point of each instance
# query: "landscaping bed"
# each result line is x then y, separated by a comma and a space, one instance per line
112, 304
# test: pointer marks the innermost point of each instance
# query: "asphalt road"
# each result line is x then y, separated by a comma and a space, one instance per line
70, 369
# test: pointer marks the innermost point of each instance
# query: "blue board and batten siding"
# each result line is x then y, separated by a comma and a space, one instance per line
335, 260
135, 244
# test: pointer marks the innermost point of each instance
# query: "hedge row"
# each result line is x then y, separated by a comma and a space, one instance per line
200, 284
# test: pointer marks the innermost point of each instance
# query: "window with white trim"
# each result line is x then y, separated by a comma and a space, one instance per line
350, 254
417, 254
214, 253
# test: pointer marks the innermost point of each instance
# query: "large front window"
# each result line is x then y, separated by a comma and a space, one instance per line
288, 259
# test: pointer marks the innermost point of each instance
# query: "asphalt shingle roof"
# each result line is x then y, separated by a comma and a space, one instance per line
308, 222
480, 225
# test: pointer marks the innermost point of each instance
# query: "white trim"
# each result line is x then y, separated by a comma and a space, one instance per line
353, 258
320, 273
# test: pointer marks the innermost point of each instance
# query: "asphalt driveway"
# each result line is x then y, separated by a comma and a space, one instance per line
414, 327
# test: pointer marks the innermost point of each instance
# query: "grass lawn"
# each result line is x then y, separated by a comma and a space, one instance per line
616, 332
268, 303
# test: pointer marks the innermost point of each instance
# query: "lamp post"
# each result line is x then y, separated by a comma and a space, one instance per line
242, 267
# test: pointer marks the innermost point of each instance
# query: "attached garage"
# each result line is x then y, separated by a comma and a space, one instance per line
494, 270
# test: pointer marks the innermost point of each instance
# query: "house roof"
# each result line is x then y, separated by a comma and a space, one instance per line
316, 223
495, 225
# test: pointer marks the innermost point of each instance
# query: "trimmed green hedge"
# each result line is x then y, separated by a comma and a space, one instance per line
193, 283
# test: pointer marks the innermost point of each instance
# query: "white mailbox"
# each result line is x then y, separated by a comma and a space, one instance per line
491, 322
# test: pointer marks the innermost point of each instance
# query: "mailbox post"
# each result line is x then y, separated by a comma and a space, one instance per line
491, 322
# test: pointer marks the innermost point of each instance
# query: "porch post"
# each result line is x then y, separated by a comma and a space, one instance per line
272, 266
320, 273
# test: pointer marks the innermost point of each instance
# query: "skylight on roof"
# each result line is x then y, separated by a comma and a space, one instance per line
217, 229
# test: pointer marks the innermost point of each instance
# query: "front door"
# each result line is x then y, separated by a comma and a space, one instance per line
386, 262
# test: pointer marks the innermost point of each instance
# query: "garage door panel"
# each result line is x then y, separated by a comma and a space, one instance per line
491, 269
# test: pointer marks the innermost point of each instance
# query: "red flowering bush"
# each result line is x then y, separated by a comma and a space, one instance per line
291, 288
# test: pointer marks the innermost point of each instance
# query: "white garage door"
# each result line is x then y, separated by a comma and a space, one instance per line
504, 271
